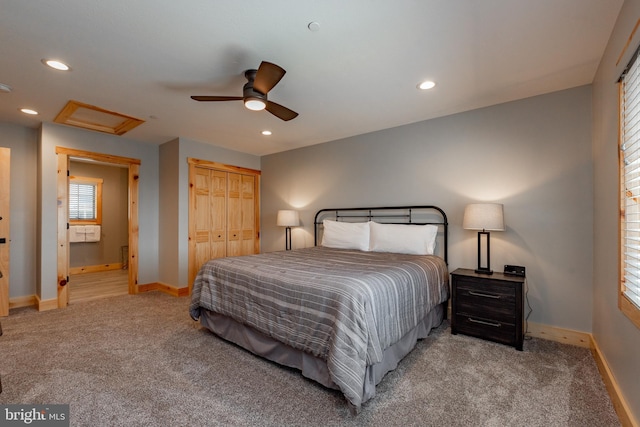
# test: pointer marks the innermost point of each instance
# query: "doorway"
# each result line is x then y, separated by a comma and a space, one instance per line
132, 165
98, 226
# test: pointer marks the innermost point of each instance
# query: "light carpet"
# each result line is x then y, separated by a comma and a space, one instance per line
141, 361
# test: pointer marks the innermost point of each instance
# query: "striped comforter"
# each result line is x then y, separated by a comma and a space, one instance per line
340, 305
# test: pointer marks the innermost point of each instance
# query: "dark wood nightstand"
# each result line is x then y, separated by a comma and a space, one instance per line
488, 306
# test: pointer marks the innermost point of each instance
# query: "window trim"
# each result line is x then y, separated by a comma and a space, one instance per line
97, 182
625, 305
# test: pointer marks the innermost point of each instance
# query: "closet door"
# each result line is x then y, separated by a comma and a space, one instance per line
234, 221
248, 235
224, 213
241, 231
209, 215
218, 206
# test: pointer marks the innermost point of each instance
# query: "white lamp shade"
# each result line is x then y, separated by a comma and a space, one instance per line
484, 216
287, 218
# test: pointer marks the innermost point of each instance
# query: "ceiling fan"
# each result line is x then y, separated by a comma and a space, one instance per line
254, 92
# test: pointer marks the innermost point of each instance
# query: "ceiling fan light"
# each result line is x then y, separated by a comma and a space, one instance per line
255, 104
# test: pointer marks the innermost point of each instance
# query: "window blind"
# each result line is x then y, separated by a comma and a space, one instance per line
630, 180
82, 201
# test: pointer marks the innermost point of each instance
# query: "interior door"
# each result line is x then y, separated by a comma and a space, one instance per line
5, 179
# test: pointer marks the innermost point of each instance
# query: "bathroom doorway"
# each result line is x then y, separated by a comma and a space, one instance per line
65, 156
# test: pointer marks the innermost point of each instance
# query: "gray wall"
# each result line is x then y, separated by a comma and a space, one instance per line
532, 155
617, 337
24, 151
115, 206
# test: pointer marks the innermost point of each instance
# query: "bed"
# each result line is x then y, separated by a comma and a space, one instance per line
345, 311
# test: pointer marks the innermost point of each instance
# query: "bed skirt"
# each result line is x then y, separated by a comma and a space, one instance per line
313, 367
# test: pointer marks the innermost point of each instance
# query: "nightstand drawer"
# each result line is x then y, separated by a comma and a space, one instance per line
488, 300
486, 328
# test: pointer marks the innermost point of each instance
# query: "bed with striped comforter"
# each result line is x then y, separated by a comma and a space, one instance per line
342, 306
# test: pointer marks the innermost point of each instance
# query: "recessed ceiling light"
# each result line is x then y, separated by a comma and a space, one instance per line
313, 26
428, 84
29, 111
266, 132
5, 88
58, 65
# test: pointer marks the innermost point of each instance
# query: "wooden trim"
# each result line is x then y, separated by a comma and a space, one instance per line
191, 247
561, 335
95, 268
63, 232
19, 302
221, 166
626, 46
134, 182
617, 397
98, 157
66, 117
5, 228
46, 305
162, 287
628, 308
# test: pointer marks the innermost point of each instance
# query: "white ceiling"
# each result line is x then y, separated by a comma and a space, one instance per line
357, 74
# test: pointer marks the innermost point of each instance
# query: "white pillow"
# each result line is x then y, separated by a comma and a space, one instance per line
345, 235
403, 239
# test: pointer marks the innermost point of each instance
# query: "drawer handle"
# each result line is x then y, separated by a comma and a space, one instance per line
480, 294
482, 322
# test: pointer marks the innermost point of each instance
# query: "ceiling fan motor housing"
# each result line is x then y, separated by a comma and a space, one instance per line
248, 91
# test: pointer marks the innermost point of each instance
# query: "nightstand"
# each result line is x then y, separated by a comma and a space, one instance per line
488, 306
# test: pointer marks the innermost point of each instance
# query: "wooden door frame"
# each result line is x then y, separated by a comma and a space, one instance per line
193, 163
133, 166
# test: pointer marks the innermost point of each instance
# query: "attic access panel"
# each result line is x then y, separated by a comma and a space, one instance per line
95, 118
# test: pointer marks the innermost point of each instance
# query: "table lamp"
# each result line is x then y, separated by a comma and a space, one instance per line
484, 217
288, 219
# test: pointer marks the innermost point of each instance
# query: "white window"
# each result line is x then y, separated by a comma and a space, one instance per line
85, 200
629, 292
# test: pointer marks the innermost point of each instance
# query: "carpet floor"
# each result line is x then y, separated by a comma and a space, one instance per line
141, 361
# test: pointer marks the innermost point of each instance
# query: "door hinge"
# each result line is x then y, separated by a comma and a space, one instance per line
68, 172
67, 226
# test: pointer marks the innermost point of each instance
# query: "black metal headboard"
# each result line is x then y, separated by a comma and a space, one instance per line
416, 215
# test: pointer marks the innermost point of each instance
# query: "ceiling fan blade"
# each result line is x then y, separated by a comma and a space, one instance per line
281, 112
217, 98
267, 77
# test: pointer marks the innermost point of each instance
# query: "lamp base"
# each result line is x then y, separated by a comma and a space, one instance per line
484, 271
